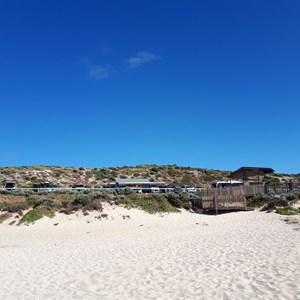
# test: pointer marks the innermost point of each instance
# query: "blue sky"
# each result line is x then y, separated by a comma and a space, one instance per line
211, 83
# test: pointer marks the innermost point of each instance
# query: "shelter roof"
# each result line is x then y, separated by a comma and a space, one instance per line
245, 172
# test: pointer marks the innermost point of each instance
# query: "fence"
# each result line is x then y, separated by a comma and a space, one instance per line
282, 188
234, 198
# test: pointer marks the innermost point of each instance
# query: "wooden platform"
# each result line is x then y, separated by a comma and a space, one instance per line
230, 198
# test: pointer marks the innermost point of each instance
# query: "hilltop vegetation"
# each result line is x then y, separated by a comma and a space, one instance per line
27, 206
65, 177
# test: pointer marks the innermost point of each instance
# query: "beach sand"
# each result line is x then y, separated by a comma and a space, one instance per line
135, 255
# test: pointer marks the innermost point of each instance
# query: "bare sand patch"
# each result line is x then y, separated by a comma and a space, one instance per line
134, 255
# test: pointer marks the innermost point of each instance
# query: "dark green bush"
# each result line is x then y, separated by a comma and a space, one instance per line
35, 201
22, 192
259, 200
174, 199
290, 196
81, 200
126, 191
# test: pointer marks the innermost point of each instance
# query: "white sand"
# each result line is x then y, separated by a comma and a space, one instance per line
245, 255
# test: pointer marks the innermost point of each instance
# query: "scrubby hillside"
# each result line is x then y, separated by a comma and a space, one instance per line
95, 177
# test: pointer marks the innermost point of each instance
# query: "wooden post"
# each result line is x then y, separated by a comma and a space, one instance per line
226, 197
216, 202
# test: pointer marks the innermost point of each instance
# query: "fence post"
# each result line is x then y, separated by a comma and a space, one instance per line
215, 200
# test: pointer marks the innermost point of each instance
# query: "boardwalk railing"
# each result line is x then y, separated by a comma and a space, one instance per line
282, 188
234, 198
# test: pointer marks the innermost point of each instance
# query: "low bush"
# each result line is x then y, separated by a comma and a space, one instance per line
81, 200
16, 206
126, 191
93, 205
84, 202
34, 201
100, 194
21, 192
290, 196
156, 204
66, 192
181, 200
258, 201
150, 203
36, 214
174, 199
4, 192
287, 211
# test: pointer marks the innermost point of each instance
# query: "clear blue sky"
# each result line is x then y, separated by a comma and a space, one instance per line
202, 83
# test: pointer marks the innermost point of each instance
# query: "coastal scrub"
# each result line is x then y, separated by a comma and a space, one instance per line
36, 214
287, 211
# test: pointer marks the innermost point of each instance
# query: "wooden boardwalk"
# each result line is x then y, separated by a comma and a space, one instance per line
230, 198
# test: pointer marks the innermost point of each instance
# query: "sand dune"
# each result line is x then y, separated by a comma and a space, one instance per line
134, 255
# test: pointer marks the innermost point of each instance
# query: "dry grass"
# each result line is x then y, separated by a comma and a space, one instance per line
4, 216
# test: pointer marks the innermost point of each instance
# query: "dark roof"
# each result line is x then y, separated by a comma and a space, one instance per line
245, 172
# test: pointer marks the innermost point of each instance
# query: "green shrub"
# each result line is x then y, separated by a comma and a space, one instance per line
128, 203
81, 200
156, 204
187, 179
126, 191
258, 200
287, 211
101, 173
36, 214
33, 201
150, 203
63, 192
4, 192
181, 200
208, 178
99, 194
290, 196
22, 192
174, 199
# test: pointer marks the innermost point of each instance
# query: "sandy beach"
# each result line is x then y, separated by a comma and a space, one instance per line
135, 255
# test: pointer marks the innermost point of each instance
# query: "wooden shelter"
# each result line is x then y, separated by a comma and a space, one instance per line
246, 172
235, 197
